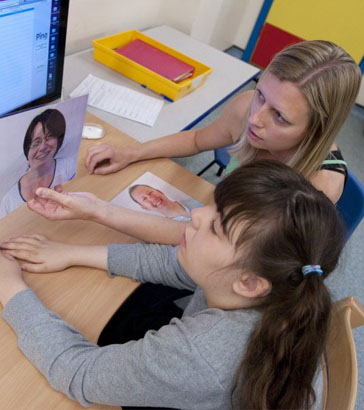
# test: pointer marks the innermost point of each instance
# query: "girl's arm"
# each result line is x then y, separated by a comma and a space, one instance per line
11, 278
83, 205
44, 255
139, 373
226, 129
141, 262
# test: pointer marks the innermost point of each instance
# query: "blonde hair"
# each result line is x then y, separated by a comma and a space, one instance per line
329, 79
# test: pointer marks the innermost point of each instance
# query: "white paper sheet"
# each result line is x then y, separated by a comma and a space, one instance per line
119, 100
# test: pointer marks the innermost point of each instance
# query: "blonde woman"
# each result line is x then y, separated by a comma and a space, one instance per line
299, 105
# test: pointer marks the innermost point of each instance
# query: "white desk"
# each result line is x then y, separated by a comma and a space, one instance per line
228, 75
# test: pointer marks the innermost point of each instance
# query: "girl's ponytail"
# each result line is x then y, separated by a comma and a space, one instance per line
284, 350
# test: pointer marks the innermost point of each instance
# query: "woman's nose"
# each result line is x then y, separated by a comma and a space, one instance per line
257, 117
42, 145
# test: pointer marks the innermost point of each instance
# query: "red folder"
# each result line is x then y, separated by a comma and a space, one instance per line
156, 60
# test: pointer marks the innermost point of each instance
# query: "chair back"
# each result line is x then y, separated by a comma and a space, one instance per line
341, 373
351, 203
222, 156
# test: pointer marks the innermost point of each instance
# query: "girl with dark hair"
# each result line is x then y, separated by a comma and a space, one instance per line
251, 336
43, 139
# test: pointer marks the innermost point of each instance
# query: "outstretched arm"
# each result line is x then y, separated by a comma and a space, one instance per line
11, 278
43, 255
226, 129
83, 205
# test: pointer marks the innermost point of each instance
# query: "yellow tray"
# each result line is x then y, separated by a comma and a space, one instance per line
105, 54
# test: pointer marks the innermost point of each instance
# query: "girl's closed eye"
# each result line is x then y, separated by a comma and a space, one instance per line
212, 227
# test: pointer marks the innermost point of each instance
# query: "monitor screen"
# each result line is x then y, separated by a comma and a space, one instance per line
32, 44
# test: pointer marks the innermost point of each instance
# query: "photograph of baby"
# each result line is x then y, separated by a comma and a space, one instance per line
38, 148
151, 194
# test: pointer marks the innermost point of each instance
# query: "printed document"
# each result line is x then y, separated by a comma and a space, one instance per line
119, 100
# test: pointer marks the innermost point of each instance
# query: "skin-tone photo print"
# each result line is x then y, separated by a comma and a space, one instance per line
150, 194
39, 148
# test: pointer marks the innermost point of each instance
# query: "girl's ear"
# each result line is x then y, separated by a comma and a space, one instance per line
250, 285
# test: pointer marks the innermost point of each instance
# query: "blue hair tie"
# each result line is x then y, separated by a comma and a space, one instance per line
311, 269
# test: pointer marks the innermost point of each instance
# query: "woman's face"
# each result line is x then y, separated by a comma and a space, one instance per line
42, 148
279, 116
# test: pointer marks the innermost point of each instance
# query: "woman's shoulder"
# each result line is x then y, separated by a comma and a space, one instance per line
330, 183
239, 105
233, 117
331, 176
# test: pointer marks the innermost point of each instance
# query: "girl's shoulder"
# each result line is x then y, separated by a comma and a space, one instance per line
213, 323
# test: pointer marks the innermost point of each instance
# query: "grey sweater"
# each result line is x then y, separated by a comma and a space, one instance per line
188, 364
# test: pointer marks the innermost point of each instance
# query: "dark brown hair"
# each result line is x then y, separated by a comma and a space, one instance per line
287, 224
52, 121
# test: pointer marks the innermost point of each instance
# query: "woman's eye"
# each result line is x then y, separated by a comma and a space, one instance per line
280, 118
35, 144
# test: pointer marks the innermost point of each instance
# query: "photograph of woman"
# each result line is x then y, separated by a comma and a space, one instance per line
43, 139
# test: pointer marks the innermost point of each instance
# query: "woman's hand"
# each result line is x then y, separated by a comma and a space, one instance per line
11, 278
41, 254
106, 159
65, 205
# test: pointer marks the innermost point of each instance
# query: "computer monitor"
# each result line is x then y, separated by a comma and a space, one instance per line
32, 45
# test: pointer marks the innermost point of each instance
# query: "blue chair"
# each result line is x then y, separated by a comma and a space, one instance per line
351, 203
222, 158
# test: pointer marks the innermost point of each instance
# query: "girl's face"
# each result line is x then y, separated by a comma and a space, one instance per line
205, 251
42, 148
279, 117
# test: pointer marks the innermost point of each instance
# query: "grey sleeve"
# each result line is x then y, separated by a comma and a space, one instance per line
148, 263
155, 371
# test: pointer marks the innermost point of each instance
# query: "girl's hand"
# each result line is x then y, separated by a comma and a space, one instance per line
57, 205
41, 254
11, 278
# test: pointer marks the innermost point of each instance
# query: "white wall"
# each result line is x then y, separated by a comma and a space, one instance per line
220, 23
90, 19
179, 14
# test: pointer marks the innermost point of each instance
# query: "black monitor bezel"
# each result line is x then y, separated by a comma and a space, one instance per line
57, 93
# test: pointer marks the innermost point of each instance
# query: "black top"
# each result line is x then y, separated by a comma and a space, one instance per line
335, 162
